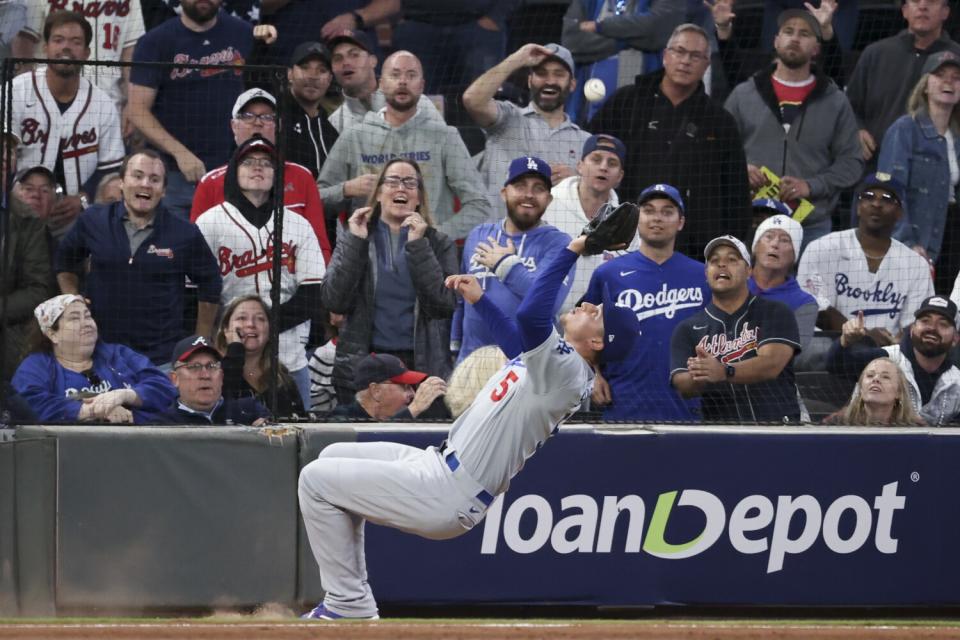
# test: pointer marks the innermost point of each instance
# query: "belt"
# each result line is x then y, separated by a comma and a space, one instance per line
454, 463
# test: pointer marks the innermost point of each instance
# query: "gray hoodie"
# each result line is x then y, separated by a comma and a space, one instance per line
448, 170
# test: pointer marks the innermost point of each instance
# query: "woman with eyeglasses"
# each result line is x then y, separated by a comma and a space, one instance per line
71, 376
244, 341
922, 150
240, 233
386, 277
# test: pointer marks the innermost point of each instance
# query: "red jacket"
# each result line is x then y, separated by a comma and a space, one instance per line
299, 193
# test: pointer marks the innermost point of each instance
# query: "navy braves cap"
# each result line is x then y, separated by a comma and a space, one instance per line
603, 142
937, 60
938, 304
528, 165
774, 206
661, 191
358, 38
307, 50
383, 367
190, 345
730, 241
885, 181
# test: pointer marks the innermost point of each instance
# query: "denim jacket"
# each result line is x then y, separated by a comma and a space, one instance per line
914, 152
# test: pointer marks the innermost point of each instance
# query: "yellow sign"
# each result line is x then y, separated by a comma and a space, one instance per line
801, 208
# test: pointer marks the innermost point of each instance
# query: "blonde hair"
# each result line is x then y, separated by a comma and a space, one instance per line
855, 413
918, 101
470, 376
374, 202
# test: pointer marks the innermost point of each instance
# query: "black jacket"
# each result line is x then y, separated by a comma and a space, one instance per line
694, 146
307, 140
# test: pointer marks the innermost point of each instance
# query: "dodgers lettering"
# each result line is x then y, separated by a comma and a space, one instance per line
886, 295
664, 302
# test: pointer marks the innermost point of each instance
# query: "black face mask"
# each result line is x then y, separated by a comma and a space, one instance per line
257, 216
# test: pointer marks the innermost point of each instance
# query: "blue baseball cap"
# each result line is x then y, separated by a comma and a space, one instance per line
603, 142
773, 205
528, 165
886, 182
662, 191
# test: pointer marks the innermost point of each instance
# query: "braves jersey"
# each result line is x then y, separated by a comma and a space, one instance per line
518, 409
117, 24
736, 337
246, 253
300, 194
87, 134
834, 271
660, 295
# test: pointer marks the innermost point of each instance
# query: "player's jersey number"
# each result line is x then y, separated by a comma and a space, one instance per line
498, 394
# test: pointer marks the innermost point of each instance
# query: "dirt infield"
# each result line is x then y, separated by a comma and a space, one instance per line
466, 630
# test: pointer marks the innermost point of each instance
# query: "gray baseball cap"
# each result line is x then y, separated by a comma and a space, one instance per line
562, 54
730, 241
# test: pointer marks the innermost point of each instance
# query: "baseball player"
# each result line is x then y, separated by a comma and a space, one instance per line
80, 142
240, 234
444, 492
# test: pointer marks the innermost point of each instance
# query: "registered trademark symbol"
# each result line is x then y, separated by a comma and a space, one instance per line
915, 476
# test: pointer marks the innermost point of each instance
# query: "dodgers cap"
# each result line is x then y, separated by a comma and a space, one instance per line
528, 165
785, 223
603, 142
662, 191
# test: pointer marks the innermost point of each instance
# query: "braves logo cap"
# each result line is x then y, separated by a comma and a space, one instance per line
383, 367
249, 96
528, 165
662, 191
785, 223
190, 345
729, 241
604, 142
938, 304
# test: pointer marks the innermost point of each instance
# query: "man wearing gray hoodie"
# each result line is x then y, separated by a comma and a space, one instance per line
401, 129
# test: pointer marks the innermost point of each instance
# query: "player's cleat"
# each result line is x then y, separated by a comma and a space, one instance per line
320, 612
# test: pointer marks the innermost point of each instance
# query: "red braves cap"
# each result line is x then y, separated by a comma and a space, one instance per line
383, 367
256, 143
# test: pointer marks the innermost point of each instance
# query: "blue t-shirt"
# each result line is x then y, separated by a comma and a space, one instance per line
195, 105
661, 296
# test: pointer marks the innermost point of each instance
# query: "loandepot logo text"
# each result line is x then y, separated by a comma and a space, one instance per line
756, 524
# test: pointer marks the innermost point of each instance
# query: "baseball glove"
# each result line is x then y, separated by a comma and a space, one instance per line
612, 228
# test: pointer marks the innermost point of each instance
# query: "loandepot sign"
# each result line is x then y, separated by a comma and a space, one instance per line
756, 524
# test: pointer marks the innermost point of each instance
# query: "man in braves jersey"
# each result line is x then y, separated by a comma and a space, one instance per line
254, 113
442, 493
64, 122
240, 233
117, 25
737, 353
866, 269
660, 287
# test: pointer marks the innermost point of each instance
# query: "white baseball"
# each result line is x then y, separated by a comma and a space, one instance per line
594, 90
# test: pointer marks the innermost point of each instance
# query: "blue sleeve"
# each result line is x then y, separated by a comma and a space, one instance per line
520, 279
594, 292
33, 381
502, 326
535, 313
152, 385
147, 50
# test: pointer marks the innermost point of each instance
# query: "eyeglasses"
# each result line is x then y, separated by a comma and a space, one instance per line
196, 367
882, 196
395, 182
262, 163
265, 118
692, 56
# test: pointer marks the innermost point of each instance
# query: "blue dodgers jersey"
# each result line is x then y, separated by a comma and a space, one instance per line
661, 296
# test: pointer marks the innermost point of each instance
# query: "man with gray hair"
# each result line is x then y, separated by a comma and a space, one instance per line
675, 134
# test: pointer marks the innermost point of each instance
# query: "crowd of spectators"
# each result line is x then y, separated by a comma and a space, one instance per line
797, 208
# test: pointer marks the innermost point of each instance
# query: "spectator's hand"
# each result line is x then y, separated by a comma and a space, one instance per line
723, 16
589, 26
266, 33
756, 177
416, 224
560, 172
853, 330
260, 422
428, 391
126, 124
120, 415
337, 25
882, 337
64, 212
466, 285
101, 406
793, 188
361, 186
359, 220
601, 391
824, 15
867, 144
488, 23
233, 336
490, 253
705, 368
190, 166
529, 55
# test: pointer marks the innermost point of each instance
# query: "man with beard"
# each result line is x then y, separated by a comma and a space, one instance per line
934, 382
799, 125
542, 127
676, 134
505, 256
402, 129
866, 269
308, 133
64, 122
181, 111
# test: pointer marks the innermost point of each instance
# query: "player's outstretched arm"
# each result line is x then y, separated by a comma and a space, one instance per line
500, 325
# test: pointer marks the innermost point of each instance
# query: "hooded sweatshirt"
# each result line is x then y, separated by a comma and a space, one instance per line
448, 170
